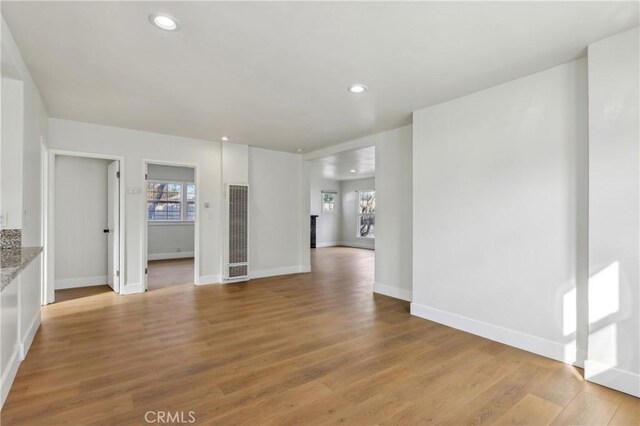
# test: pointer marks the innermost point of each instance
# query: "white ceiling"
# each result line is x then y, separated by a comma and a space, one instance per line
275, 74
339, 166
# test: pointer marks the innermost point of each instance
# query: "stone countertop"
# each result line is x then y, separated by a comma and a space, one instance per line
15, 260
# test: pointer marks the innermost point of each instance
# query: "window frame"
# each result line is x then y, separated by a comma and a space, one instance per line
183, 203
335, 200
359, 215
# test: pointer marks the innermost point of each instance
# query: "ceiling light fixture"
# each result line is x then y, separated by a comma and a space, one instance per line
225, 138
352, 171
164, 22
357, 88
299, 150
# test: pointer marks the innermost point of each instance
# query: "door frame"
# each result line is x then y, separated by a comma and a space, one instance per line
49, 208
144, 231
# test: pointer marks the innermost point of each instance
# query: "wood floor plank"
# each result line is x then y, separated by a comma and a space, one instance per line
628, 412
304, 349
587, 409
489, 405
530, 410
561, 387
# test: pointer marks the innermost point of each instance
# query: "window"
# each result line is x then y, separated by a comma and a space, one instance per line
171, 201
328, 201
367, 214
191, 201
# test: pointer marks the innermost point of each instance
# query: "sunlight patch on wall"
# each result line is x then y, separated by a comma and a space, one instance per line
604, 290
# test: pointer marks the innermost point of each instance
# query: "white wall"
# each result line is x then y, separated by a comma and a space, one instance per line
235, 163
81, 216
394, 227
24, 301
496, 215
350, 208
614, 213
275, 220
328, 224
170, 240
12, 110
135, 146
274, 212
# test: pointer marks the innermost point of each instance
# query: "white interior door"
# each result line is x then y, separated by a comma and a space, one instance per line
113, 226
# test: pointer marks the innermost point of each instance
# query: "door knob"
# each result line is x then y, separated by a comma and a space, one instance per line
106, 231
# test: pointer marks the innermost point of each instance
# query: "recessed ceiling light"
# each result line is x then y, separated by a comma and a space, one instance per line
299, 150
224, 138
357, 88
164, 22
352, 171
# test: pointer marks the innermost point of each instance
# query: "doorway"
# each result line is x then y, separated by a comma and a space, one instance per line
342, 209
84, 234
171, 223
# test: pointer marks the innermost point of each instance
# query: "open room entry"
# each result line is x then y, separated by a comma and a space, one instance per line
369, 184
170, 224
85, 235
342, 209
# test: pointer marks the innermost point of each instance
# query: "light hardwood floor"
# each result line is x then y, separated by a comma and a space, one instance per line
304, 349
170, 272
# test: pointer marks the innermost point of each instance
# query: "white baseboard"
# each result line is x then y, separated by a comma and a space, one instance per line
29, 335
356, 245
80, 282
132, 288
391, 291
548, 348
9, 375
175, 255
235, 280
331, 244
612, 377
209, 279
285, 270
262, 273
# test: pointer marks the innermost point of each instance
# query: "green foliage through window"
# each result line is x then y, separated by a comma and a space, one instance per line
328, 201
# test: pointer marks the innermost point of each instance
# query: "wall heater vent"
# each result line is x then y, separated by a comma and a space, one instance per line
236, 259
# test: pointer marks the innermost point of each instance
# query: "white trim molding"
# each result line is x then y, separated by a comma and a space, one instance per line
357, 245
528, 342
209, 279
174, 255
132, 288
612, 377
330, 244
30, 334
305, 269
171, 222
391, 291
285, 270
80, 282
9, 375
262, 273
